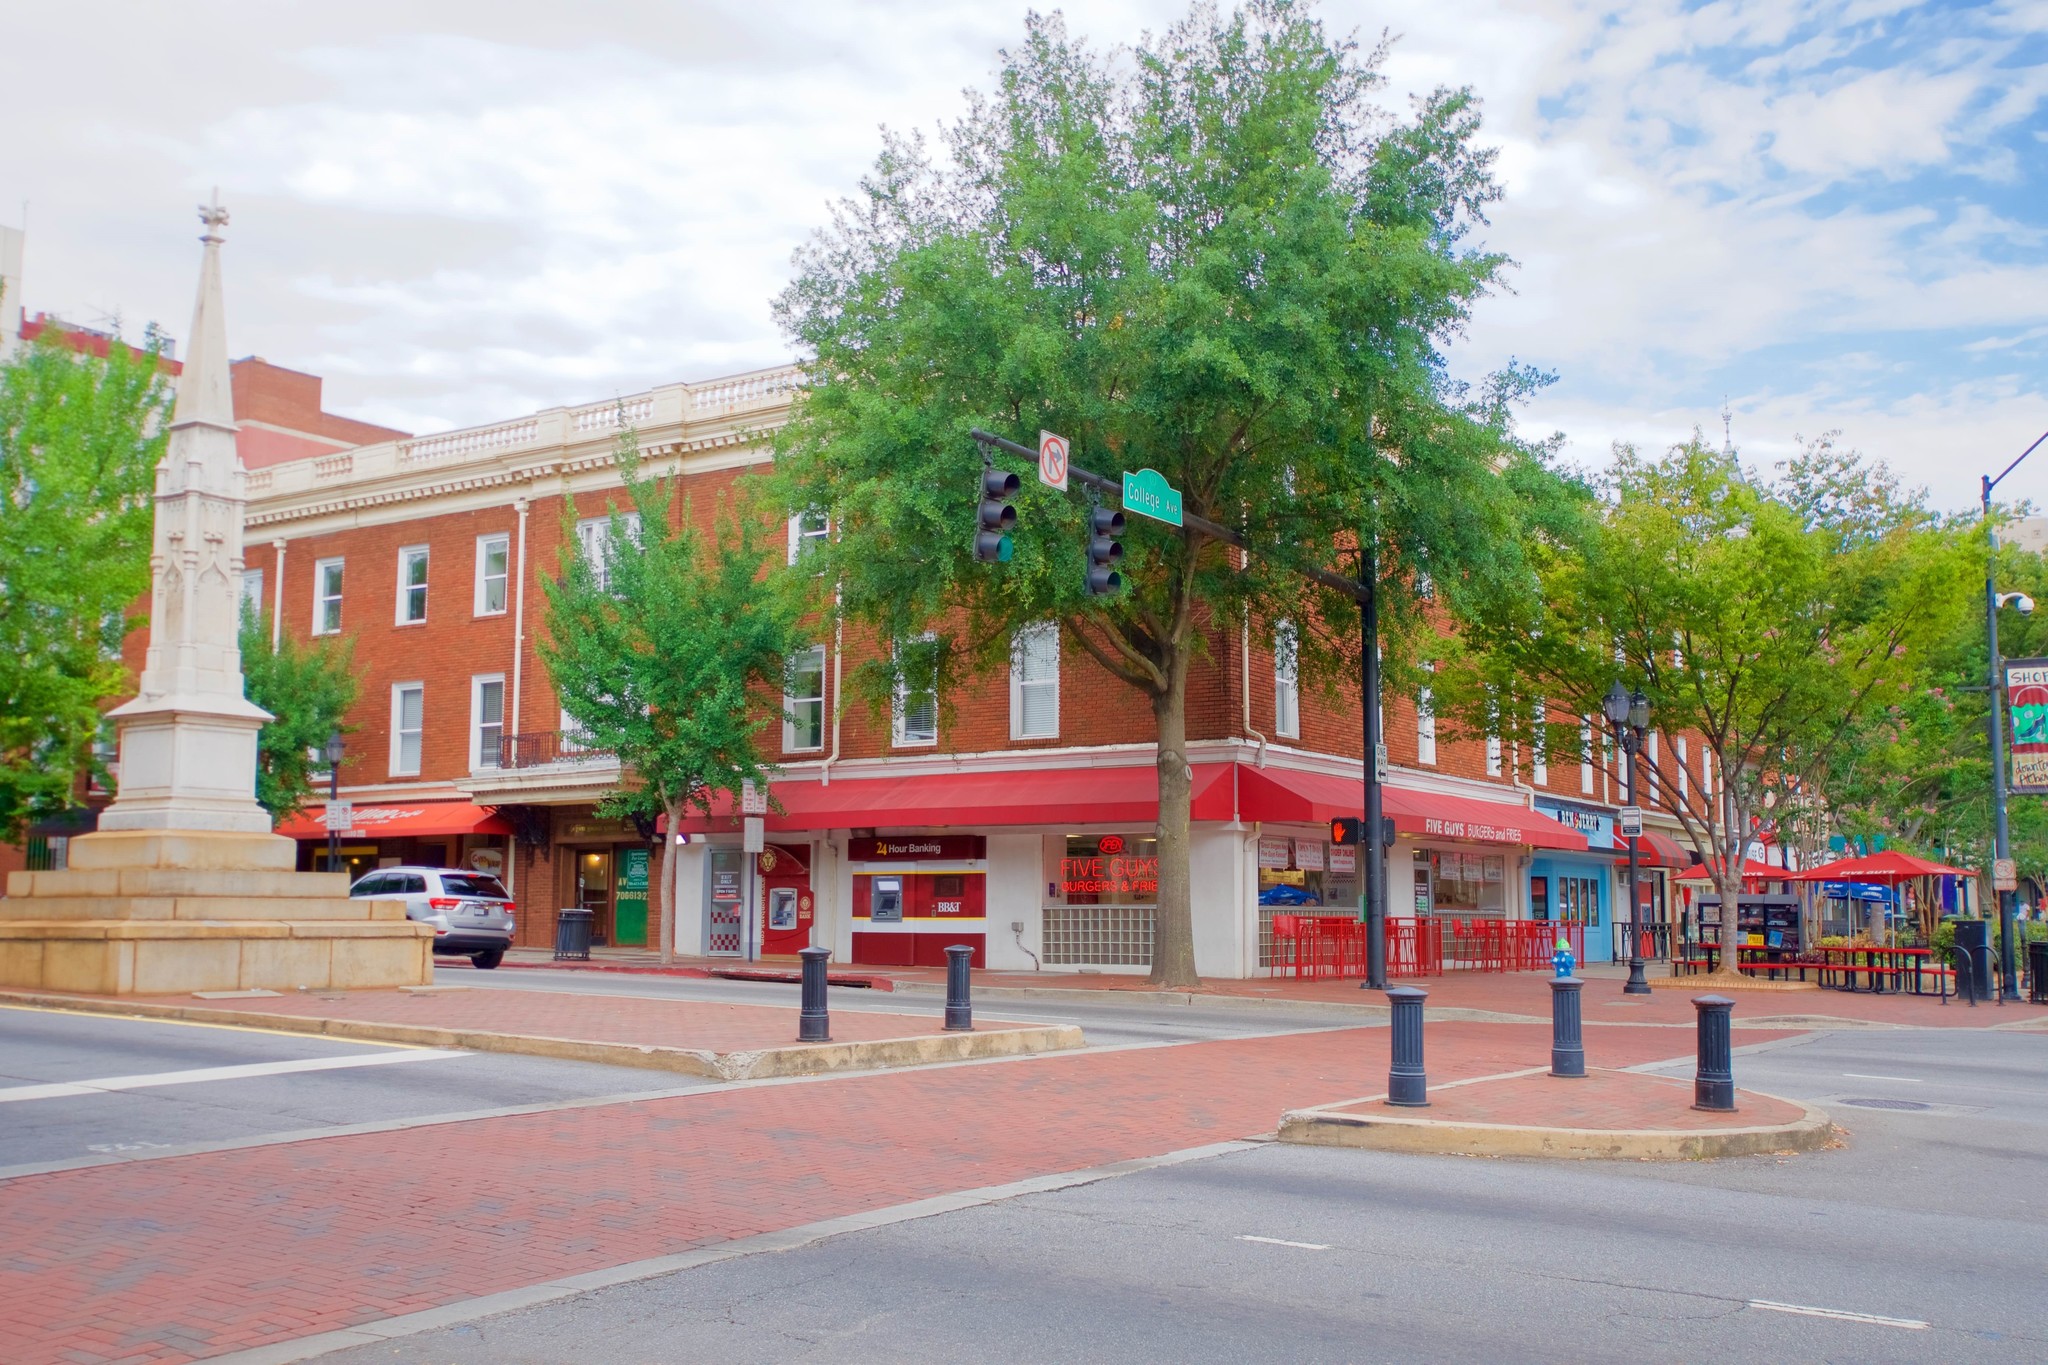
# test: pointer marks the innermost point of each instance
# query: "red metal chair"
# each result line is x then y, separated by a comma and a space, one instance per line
1286, 935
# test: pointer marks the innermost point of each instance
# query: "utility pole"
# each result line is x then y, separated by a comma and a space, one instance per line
1374, 882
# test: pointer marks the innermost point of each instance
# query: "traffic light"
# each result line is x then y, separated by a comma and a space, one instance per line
1347, 830
992, 544
1105, 524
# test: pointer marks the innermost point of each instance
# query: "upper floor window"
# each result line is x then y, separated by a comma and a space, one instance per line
252, 591
803, 701
1286, 681
1539, 744
487, 720
807, 531
1035, 682
493, 573
1425, 722
408, 727
1586, 755
412, 585
327, 596
1493, 750
917, 692
594, 539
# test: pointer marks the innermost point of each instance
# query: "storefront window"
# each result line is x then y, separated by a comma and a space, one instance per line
1303, 876
1468, 883
1104, 890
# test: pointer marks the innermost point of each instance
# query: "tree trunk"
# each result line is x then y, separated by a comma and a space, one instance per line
670, 866
1173, 925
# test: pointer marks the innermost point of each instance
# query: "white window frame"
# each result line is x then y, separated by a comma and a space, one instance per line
1650, 769
804, 529
502, 541
900, 735
593, 540
1037, 634
574, 739
399, 732
1539, 744
1425, 722
484, 757
1286, 681
409, 555
322, 598
252, 591
1684, 777
1585, 755
790, 703
1493, 747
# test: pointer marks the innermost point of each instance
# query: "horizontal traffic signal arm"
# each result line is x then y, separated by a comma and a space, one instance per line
1336, 582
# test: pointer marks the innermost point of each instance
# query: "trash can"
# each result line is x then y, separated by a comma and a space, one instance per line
2037, 973
572, 935
1973, 957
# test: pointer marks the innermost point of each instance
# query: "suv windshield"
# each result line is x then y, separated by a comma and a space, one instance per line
473, 884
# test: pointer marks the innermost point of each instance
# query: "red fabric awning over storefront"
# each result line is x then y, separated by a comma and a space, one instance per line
1889, 867
399, 820
1031, 796
1655, 850
1285, 796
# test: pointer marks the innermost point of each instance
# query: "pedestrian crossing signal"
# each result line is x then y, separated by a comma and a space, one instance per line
1347, 830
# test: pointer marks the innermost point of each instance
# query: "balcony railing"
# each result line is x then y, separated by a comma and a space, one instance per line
546, 748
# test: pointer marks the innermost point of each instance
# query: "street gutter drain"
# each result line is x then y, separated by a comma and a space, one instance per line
1913, 1105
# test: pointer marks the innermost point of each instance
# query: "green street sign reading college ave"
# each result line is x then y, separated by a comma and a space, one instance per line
1149, 495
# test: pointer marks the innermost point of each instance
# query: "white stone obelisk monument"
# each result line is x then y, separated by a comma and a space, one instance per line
184, 887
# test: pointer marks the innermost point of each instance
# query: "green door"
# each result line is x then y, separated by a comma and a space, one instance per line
629, 914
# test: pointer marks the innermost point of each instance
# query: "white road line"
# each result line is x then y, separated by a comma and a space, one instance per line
1902, 1080
65, 1089
1282, 1242
1808, 1311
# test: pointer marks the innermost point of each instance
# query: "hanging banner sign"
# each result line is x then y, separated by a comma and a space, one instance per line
2026, 700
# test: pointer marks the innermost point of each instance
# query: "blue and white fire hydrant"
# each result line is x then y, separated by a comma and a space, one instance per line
1562, 960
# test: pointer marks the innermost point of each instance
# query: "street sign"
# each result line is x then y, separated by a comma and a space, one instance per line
1149, 495
2005, 875
1630, 819
341, 816
1379, 763
753, 800
753, 834
1052, 460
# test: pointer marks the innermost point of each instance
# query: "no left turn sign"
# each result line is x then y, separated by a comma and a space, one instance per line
1052, 460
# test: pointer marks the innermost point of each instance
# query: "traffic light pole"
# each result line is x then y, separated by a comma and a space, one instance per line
1374, 882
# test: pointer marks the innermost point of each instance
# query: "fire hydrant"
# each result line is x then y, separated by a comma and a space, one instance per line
1562, 960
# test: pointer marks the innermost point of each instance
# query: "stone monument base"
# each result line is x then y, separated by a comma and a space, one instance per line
146, 912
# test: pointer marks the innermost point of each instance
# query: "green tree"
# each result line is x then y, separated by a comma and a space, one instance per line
79, 441
1769, 626
660, 639
1220, 260
308, 690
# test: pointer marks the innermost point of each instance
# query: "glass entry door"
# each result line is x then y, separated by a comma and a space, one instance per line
594, 891
726, 868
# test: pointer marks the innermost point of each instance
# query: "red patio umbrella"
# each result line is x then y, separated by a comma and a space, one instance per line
1889, 867
1752, 871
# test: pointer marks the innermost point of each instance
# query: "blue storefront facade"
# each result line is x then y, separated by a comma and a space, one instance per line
1578, 887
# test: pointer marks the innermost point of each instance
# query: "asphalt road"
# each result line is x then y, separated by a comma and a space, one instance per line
78, 1088
1917, 1241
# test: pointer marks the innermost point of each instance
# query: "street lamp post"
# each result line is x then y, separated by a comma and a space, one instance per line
2008, 956
1629, 714
335, 750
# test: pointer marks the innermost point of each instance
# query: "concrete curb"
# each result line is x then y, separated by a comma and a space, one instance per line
1440, 1137
797, 1059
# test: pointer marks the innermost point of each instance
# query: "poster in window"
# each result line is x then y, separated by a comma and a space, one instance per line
1308, 854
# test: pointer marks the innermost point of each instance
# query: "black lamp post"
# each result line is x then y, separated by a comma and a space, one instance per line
2001, 848
1629, 714
335, 750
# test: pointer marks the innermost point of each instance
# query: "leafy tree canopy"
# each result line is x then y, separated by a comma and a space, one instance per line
80, 438
308, 690
1214, 256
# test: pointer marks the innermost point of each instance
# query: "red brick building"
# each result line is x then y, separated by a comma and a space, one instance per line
1017, 817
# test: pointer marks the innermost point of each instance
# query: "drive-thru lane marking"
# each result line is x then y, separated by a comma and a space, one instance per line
249, 1071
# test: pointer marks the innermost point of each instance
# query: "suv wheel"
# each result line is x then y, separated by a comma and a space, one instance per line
486, 961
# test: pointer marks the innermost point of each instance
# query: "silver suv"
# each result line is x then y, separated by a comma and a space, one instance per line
470, 912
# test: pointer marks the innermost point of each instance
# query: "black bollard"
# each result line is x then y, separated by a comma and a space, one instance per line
1567, 1047
814, 1020
959, 1008
1713, 1086
1407, 1082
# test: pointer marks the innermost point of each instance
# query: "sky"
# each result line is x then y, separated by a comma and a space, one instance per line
1816, 215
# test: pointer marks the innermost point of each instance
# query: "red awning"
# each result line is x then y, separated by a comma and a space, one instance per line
1031, 796
399, 821
1287, 796
1655, 850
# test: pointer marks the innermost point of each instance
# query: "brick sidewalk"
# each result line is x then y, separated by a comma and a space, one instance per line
186, 1257
1603, 1100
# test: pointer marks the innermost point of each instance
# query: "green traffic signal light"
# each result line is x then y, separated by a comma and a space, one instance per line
1104, 550
992, 543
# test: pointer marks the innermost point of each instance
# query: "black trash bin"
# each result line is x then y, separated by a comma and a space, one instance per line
2037, 973
572, 935
1973, 957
